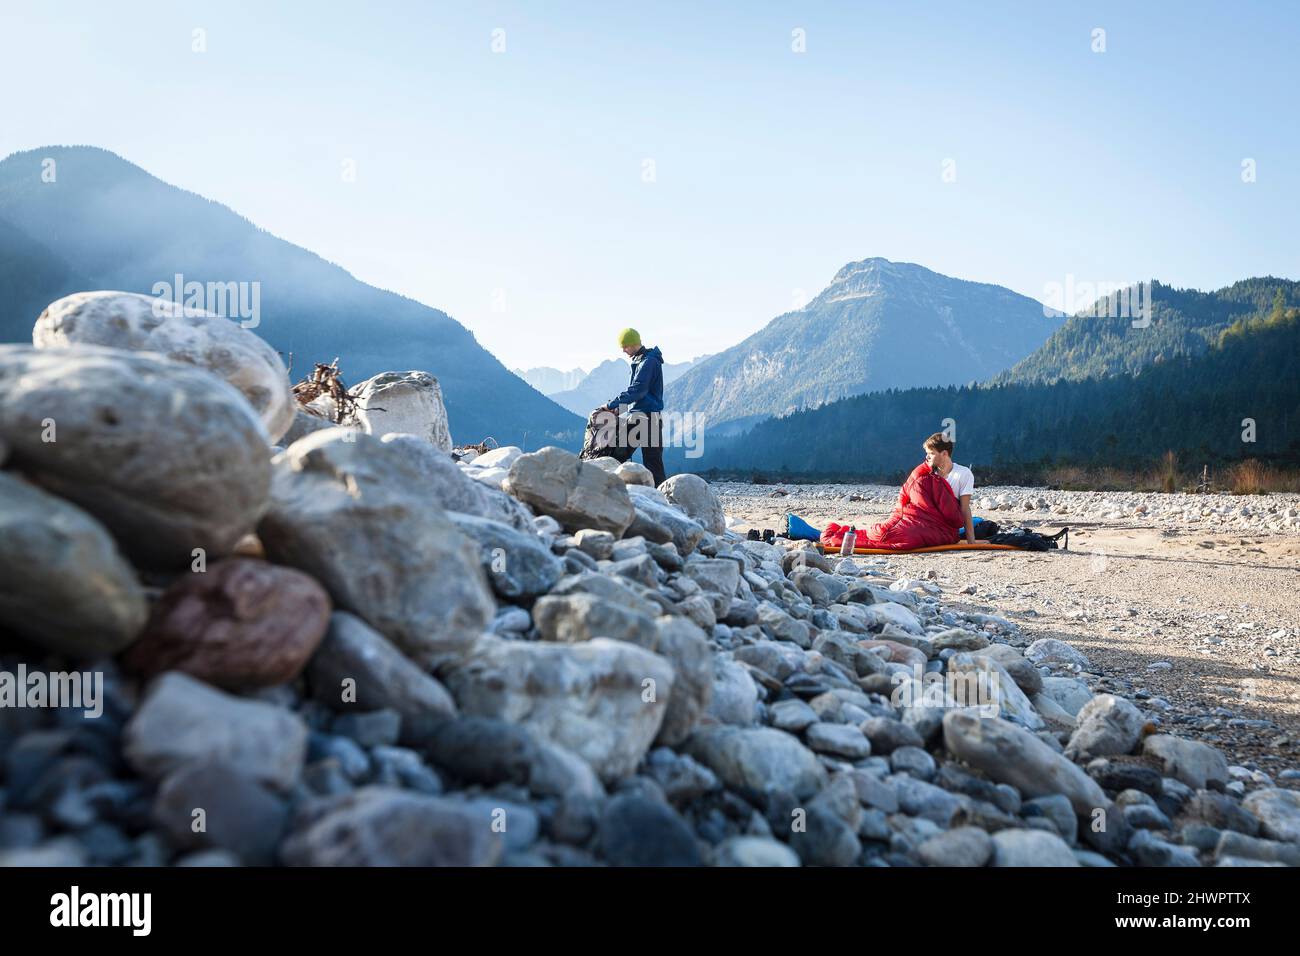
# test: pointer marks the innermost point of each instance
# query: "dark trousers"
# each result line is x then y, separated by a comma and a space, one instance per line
650, 441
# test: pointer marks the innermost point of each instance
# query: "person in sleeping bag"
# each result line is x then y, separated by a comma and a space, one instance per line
926, 513
938, 455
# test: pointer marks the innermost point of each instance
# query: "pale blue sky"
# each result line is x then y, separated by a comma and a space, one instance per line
522, 171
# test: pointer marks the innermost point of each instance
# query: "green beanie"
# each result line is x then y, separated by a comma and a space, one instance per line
629, 337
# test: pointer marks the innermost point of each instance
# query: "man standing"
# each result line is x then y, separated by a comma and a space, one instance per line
645, 397
938, 454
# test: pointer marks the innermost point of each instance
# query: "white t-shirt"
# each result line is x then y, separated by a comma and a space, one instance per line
962, 480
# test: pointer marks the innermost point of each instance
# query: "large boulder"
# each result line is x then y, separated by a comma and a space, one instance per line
574, 492
183, 721
986, 683
1278, 811
1009, 754
1194, 763
602, 699
406, 402
347, 509
168, 457
693, 494
1107, 726
662, 523
242, 623
1049, 650
141, 323
356, 668
67, 588
687, 649
451, 487
516, 563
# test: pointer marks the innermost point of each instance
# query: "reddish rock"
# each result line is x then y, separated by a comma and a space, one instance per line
242, 623
898, 653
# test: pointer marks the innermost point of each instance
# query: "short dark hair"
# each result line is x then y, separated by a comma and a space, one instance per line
937, 442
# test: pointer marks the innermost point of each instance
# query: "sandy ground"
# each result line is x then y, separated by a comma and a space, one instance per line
1222, 610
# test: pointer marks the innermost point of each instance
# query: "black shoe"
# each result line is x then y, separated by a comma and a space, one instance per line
753, 534
769, 535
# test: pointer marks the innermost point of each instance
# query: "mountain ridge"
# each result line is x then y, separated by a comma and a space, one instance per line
120, 227
878, 324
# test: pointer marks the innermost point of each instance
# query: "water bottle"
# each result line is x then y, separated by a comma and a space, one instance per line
846, 546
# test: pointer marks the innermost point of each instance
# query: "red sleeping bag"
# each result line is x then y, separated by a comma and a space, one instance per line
926, 514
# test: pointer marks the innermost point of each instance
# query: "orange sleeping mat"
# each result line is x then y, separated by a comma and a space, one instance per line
963, 546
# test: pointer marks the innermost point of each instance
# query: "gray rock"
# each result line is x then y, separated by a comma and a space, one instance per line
598, 544
67, 587
962, 846
302, 425
1009, 754
434, 476
839, 740
1108, 726
662, 523
1149, 850
379, 826
140, 323
1232, 844
1031, 848
1049, 650
574, 492
355, 668
681, 778
758, 759
352, 515
575, 618
518, 823
914, 761
1278, 811
635, 473
686, 648
1022, 671
216, 805
183, 721
370, 729
777, 658
1067, 693
734, 696
409, 403
792, 715
169, 458
1190, 761
956, 639
517, 565
693, 494
920, 799
717, 577
635, 831
887, 735
1056, 808
487, 751
604, 700
502, 457
753, 851
986, 682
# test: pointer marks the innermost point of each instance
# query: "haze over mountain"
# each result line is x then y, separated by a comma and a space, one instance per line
878, 325
104, 223
548, 380
608, 379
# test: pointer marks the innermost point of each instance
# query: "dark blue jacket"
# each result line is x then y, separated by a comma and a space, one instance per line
645, 393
